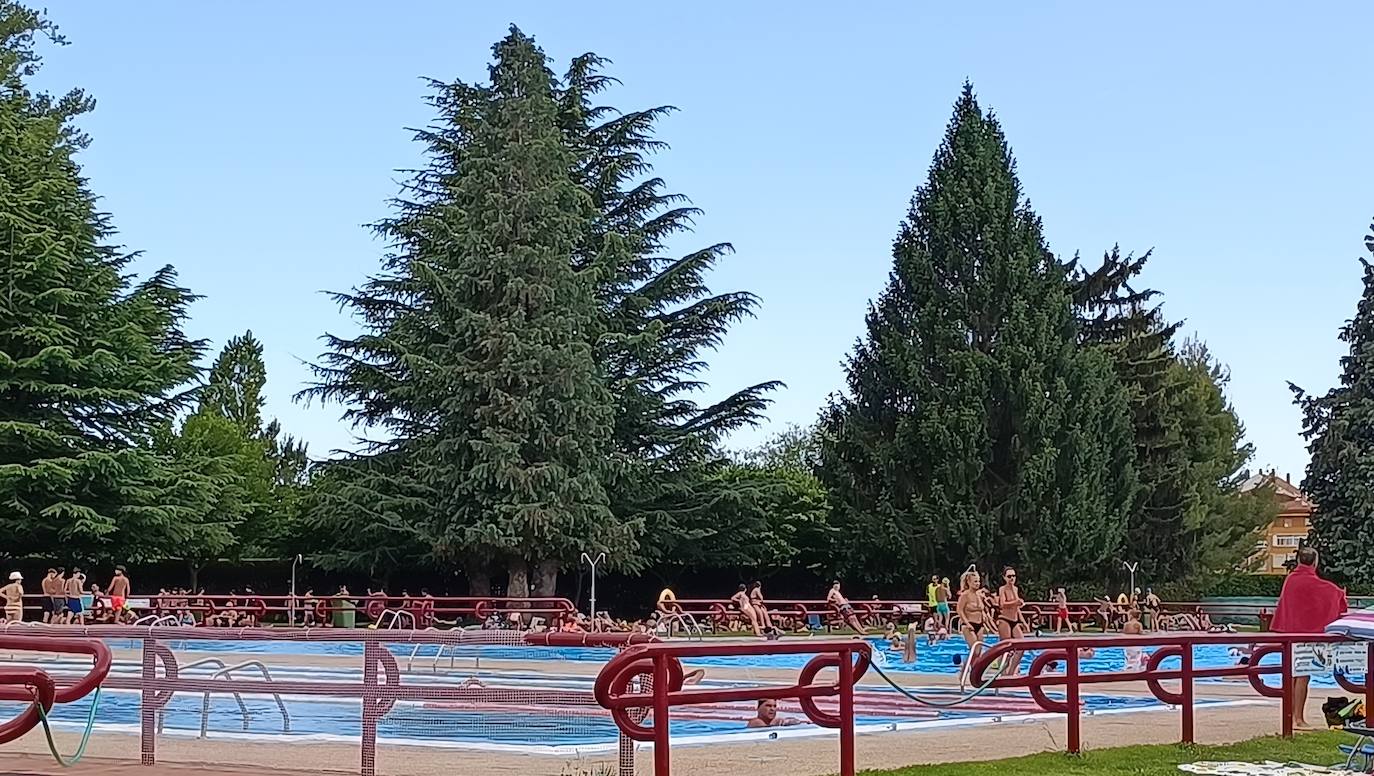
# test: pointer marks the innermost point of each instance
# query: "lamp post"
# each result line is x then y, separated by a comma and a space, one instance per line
1131, 567
593, 563
291, 611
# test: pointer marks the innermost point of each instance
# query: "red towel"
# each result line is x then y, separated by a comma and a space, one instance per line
1307, 603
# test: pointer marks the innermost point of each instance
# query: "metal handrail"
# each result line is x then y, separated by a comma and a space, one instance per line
685, 619
225, 672
395, 622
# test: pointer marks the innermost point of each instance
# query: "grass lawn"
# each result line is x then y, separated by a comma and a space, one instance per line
1313, 748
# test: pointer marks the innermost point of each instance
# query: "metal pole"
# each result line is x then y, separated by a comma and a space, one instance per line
587, 559
291, 610
1186, 688
846, 682
1131, 567
1071, 699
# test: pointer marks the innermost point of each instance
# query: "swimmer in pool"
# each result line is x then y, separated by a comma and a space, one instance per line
767, 716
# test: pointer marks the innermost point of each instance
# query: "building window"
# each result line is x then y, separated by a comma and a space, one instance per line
1288, 541
1287, 523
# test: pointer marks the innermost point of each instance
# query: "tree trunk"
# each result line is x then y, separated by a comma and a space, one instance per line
193, 570
545, 578
479, 579
519, 584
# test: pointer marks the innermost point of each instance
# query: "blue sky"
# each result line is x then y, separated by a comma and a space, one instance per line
248, 143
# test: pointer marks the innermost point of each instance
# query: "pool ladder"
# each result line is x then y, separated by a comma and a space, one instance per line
226, 672
452, 650
688, 623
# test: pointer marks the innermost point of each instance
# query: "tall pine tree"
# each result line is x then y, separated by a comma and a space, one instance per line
478, 349
660, 319
656, 321
973, 428
90, 363
1339, 428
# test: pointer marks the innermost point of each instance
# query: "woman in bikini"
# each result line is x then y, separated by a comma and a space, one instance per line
741, 601
1010, 623
972, 614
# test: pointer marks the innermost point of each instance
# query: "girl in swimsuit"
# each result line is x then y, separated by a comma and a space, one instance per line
1010, 624
741, 601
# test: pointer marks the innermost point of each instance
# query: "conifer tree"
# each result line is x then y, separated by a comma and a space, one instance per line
973, 428
660, 319
91, 364
1190, 518
1339, 428
478, 346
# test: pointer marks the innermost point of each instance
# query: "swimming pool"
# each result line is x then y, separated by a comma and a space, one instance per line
530, 728
940, 659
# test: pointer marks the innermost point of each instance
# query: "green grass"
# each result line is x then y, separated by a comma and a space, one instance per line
1313, 748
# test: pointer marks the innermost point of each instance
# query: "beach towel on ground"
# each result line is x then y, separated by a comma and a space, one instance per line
1259, 769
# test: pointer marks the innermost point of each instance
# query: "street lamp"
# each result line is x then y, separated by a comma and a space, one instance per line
593, 563
291, 612
1131, 567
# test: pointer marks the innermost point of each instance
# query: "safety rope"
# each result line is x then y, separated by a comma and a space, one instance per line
85, 737
942, 704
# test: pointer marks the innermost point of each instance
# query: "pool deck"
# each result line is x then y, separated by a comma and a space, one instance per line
116, 754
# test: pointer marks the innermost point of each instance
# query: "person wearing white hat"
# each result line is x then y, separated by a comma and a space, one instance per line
13, 593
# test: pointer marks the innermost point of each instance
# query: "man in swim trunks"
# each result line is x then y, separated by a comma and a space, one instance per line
767, 716
1307, 604
54, 605
74, 588
1060, 599
844, 609
942, 603
13, 593
119, 592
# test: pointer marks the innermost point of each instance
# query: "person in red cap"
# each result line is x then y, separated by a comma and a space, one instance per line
1307, 604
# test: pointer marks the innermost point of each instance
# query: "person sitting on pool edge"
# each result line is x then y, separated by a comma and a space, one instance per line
767, 716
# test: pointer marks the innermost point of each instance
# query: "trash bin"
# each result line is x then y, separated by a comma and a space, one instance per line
345, 614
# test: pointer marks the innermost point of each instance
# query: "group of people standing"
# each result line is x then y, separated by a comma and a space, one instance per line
64, 599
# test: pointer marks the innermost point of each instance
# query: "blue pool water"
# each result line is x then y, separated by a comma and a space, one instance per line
939, 659
339, 719
421, 724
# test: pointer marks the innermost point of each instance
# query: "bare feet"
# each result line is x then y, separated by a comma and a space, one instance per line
1301, 724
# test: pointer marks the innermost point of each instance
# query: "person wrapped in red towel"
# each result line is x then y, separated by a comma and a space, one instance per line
1307, 604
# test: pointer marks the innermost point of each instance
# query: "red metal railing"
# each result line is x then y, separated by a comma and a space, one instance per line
718, 613
379, 687
423, 610
38, 688
649, 679
1065, 651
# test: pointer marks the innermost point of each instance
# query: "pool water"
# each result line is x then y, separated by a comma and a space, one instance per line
943, 658
330, 719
